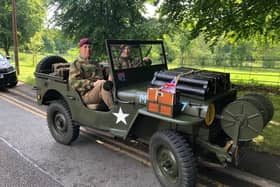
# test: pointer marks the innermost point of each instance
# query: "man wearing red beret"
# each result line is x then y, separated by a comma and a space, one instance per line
87, 78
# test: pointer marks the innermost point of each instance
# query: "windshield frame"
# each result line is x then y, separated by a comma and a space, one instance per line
123, 78
111, 43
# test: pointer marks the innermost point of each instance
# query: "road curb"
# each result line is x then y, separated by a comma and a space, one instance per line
240, 175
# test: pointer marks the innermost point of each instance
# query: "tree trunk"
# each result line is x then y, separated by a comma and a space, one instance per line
6, 49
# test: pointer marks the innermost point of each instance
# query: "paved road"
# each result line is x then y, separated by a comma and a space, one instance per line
17, 170
30, 156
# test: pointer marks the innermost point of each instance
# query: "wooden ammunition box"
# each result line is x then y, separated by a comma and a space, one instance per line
61, 70
163, 102
152, 94
60, 65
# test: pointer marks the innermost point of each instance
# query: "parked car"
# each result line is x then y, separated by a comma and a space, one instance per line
8, 76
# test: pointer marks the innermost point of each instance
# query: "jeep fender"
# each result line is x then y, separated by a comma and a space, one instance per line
150, 122
52, 95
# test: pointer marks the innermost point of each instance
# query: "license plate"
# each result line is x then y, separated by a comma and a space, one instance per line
1, 76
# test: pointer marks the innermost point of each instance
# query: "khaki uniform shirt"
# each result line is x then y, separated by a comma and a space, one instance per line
125, 63
83, 73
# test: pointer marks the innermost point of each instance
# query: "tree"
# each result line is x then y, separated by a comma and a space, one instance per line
55, 41
232, 19
178, 46
48, 41
268, 55
30, 14
35, 45
104, 19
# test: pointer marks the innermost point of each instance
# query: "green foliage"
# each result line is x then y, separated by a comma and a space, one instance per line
228, 18
183, 51
233, 54
200, 52
269, 54
100, 20
49, 45
269, 64
35, 44
30, 14
55, 41
221, 52
178, 44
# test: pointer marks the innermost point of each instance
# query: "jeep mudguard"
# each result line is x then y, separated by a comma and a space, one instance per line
166, 122
51, 95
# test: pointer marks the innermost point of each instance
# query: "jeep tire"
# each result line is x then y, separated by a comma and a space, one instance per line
60, 124
12, 84
172, 159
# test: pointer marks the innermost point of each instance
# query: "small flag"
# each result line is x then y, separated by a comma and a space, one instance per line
170, 86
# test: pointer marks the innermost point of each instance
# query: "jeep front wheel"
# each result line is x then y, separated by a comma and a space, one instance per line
172, 159
60, 123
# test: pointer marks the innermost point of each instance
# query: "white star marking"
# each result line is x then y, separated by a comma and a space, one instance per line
121, 116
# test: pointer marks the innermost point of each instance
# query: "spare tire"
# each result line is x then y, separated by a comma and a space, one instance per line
242, 117
253, 100
266, 102
45, 65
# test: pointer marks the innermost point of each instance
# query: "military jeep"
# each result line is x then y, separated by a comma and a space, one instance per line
180, 114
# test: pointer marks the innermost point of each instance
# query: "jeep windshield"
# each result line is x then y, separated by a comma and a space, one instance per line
135, 61
128, 56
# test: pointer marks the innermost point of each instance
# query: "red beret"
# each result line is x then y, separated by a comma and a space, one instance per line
84, 41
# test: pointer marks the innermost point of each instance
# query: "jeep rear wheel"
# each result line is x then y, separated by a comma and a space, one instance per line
172, 159
60, 123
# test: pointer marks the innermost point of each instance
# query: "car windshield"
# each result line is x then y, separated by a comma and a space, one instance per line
1, 57
128, 56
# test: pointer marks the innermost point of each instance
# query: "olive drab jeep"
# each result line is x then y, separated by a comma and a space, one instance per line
180, 113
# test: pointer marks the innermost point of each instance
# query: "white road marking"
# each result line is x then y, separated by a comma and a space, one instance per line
23, 106
29, 161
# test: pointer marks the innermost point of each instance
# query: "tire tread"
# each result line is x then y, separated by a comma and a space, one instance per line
184, 154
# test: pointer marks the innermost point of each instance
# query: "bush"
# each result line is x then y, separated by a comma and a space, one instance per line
268, 63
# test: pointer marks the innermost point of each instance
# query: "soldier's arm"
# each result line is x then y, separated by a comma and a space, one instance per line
99, 72
117, 64
76, 80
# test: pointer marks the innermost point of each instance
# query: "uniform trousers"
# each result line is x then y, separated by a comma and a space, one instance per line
98, 94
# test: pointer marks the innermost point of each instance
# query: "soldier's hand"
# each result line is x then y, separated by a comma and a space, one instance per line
108, 85
95, 82
147, 61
